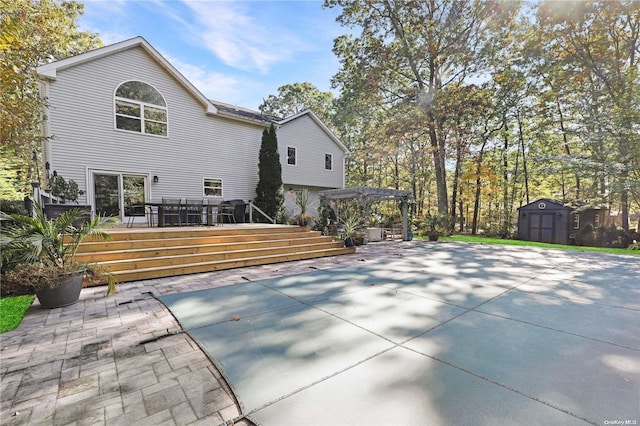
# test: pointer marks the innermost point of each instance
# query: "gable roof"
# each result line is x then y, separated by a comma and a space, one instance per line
327, 130
49, 71
575, 206
558, 203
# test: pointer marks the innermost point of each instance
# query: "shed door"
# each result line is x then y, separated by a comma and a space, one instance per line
541, 227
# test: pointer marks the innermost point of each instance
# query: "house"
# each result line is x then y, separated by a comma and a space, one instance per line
552, 221
129, 128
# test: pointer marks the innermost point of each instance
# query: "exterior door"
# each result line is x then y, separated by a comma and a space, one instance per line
114, 193
541, 227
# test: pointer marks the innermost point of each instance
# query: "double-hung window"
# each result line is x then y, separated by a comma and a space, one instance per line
291, 156
140, 108
212, 187
328, 162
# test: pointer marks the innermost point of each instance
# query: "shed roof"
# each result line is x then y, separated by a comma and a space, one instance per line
576, 205
539, 201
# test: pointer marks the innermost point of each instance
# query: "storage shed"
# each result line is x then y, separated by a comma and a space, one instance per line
546, 221
552, 221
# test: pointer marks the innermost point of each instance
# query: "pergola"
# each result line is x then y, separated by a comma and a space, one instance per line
367, 195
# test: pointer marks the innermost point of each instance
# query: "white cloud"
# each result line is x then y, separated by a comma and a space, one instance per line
239, 39
221, 87
109, 8
213, 85
94, 13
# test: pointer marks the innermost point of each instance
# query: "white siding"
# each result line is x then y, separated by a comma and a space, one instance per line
311, 143
81, 120
290, 201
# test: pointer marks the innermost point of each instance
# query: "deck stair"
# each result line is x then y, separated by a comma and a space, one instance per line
138, 254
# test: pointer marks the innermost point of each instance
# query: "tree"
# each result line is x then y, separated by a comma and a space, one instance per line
32, 32
269, 197
597, 47
297, 97
409, 51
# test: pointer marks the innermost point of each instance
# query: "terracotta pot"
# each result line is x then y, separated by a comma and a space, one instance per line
67, 293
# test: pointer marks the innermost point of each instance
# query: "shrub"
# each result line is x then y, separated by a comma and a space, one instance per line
13, 207
586, 236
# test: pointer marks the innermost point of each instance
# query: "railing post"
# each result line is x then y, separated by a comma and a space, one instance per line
405, 221
36, 197
250, 211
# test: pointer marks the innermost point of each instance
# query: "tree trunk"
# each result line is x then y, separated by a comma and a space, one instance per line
456, 178
476, 203
505, 217
438, 162
624, 203
462, 215
567, 149
524, 158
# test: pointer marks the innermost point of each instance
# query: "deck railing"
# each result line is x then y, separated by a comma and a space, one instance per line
253, 207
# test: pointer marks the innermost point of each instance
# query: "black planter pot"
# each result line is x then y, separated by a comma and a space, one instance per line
349, 242
67, 293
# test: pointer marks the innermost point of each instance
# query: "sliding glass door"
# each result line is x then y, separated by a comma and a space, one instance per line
114, 193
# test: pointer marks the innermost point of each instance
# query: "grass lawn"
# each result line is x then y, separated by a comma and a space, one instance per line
472, 239
12, 310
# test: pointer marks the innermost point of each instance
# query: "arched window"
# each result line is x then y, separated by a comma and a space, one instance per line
140, 108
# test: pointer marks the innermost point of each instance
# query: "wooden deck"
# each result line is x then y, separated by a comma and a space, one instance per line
142, 253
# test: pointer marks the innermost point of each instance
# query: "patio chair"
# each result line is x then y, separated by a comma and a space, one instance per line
193, 211
152, 216
172, 211
226, 210
132, 212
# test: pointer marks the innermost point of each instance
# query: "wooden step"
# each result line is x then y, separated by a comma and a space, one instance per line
153, 253
169, 271
166, 241
191, 258
141, 253
123, 234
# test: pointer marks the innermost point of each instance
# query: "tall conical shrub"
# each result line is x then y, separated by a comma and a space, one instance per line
269, 196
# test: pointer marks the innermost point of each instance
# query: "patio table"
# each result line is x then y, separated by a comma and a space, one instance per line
209, 210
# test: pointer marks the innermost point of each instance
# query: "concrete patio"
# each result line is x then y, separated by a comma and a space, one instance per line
408, 333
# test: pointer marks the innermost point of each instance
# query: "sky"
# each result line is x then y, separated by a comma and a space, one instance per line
237, 52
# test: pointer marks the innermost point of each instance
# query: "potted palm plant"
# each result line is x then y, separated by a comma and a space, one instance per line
351, 225
434, 225
302, 202
40, 253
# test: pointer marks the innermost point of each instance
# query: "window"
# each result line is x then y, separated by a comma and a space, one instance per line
291, 156
213, 187
576, 221
596, 220
328, 162
140, 108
